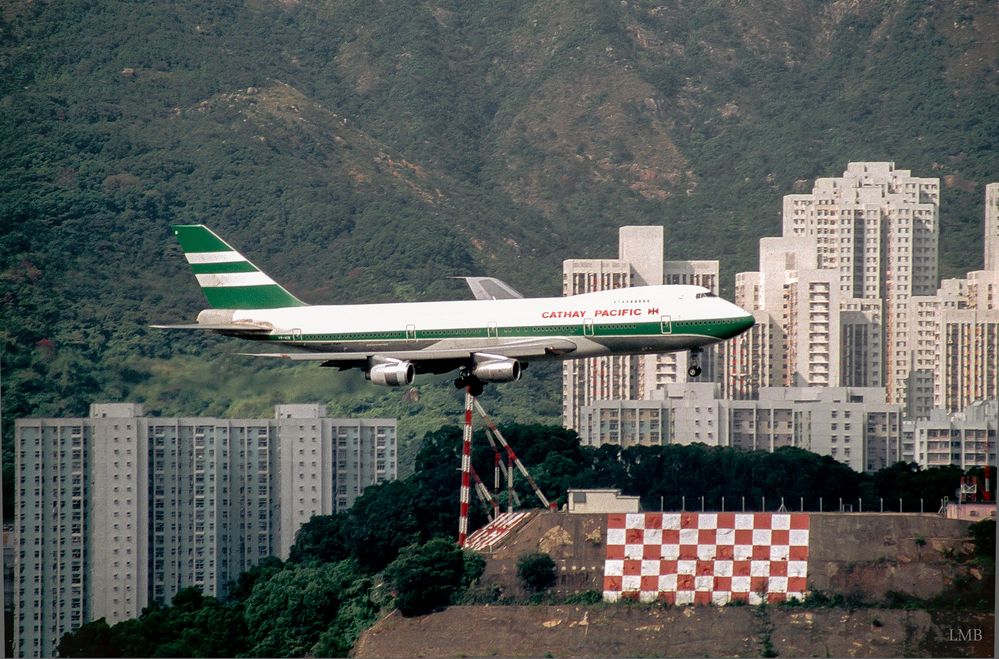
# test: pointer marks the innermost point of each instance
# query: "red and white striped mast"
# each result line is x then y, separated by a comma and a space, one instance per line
467, 473
466, 468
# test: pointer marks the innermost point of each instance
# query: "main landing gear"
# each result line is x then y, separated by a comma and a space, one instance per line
694, 363
466, 379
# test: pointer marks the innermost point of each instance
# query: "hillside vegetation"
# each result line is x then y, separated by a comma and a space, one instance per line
363, 151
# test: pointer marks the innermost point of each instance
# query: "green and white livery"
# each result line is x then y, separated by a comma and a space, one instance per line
228, 279
486, 340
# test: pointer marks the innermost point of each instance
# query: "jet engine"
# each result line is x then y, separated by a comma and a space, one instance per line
500, 369
392, 374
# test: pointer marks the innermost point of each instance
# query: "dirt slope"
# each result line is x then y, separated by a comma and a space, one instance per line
634, 631
863, 555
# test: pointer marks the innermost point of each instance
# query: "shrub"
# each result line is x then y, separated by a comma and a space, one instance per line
585, 597
983, 534
426, 577
536, 571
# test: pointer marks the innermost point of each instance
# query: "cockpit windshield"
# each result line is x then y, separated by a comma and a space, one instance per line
705, 294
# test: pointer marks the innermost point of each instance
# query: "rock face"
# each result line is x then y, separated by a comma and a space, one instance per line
876, 553
553, 539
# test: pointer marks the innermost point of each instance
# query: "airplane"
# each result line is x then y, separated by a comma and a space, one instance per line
489, 339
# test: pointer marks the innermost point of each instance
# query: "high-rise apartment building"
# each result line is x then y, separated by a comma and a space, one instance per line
847, 297
861, 346
992, 226
796, 340
966, 439
639, 263
966, 360
120, 510
853, 425
876, 225
878, 228
963, 358
810, 321
873, 253
749, 358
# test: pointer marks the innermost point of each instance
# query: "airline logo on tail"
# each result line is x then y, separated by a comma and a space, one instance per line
227, 278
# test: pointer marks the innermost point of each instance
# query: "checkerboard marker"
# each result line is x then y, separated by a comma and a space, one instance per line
706, 558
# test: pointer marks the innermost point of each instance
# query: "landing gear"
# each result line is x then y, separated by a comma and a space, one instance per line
694, 363
466, 379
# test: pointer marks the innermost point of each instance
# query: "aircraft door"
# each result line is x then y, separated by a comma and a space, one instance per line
492, 331
588, 327
296, 334
410, 331
665, 325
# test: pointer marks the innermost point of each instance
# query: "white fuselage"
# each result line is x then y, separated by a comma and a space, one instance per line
629, 320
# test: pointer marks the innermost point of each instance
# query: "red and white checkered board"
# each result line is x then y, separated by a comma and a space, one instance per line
706, 558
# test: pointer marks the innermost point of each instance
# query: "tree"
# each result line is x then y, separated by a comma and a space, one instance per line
436, 481
287, 614
473, 565
259, 573
357, 612
910, 482
91, 640
426, 577
321, 539
381, 522
536, 571
188, 599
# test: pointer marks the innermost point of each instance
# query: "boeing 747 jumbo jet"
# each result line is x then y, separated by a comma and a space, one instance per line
490, 339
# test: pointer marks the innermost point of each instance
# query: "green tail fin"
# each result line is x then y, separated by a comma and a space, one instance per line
228, 280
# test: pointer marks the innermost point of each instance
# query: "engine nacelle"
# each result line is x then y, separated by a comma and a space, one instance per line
392, 374
498, 370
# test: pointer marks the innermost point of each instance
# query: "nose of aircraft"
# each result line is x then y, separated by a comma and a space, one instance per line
740, 321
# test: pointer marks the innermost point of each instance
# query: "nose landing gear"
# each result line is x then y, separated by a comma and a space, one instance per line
694, 363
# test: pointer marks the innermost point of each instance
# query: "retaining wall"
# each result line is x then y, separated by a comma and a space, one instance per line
848, 553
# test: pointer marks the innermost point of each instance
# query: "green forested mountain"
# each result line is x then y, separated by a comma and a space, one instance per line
365, 151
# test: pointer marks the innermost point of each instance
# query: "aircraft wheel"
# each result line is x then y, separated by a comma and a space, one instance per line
694, 371
477, 386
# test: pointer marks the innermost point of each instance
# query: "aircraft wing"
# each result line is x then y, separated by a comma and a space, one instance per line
220, 327
490, 288
514, 350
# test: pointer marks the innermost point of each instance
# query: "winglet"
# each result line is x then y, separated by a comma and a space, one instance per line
228, 280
